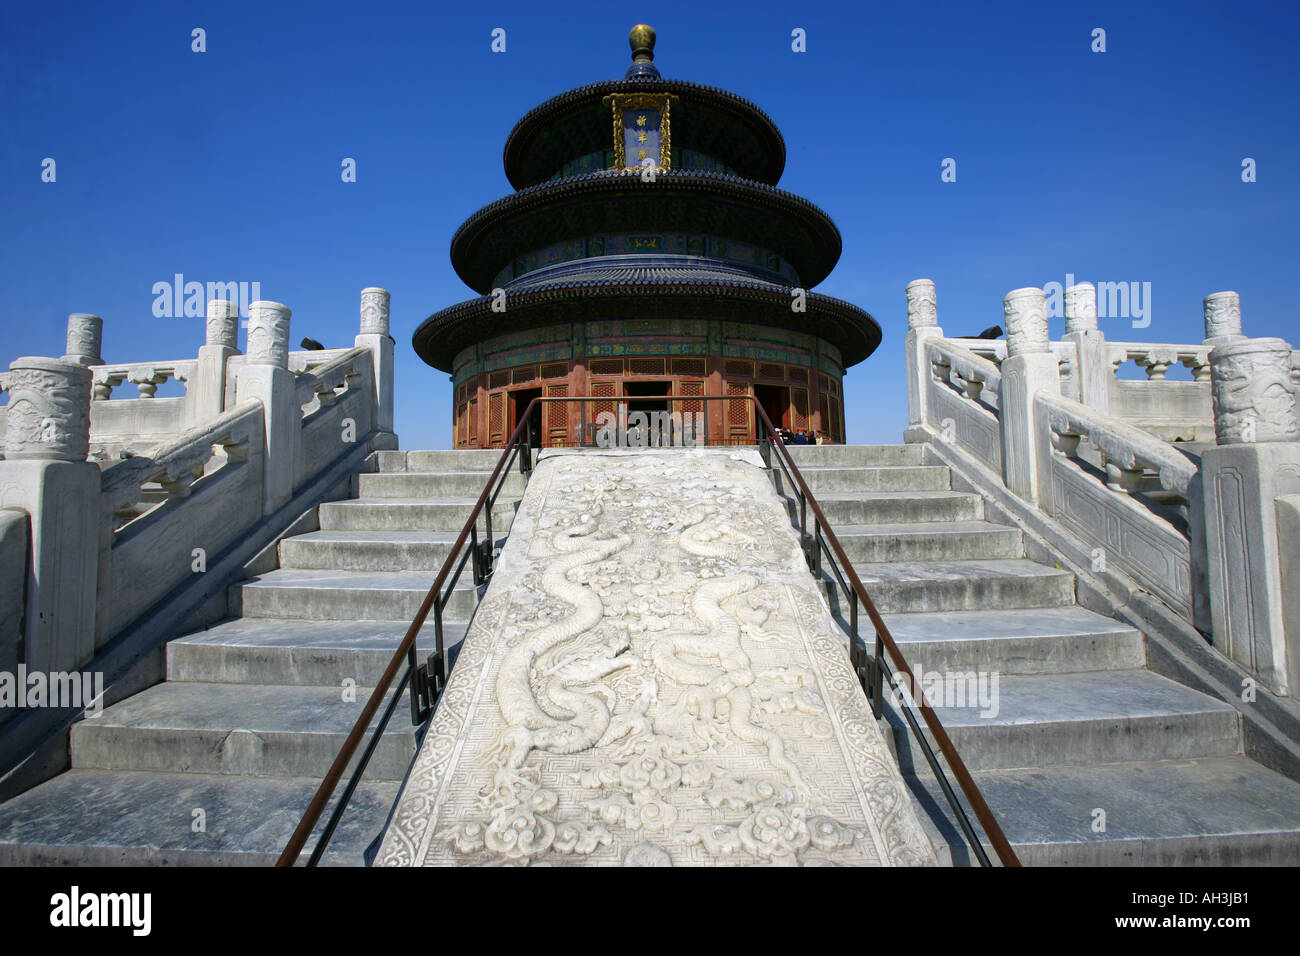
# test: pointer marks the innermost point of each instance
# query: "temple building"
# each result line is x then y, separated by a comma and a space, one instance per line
646, 252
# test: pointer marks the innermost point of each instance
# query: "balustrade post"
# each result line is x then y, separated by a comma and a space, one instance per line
85, 339
1222, 318
1030, 367
922, 325
45, 473
1288, 539
206, 395
1093, 368
375, 337
1256, 461
266, 377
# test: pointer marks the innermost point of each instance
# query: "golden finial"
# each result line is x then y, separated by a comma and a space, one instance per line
642, 40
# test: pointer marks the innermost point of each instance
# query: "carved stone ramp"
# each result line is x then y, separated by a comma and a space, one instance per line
653, 678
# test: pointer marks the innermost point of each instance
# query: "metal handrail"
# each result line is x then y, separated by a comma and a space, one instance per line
872, 670
432, 679
427, 682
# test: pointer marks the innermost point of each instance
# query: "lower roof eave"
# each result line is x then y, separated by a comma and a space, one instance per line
446, 333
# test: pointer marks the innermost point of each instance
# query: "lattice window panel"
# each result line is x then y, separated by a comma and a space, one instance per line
737, 367
798, 374
770, 370
525, 373
461, 425
647, 366
824, 382
555, 371
689, 366
473, 422
498, 380
738, 414
798, 408
606, 367
555, 417
825, 423
595, 409
496, 418
689, 387
837, 431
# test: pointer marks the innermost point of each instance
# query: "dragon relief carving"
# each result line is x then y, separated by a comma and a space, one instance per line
632, 712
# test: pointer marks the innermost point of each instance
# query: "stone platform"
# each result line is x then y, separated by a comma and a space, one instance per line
653, 678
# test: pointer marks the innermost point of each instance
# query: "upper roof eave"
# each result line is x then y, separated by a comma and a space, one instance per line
514, 153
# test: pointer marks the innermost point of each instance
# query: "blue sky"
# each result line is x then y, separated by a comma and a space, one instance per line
225, 165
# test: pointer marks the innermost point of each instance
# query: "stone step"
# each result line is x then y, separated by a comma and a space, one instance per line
856, 455
929, 541
1017, 641
829, 480
445, 484
1211, 811
895, 507
957, 586
410, 514
259, 730
346, 595
315, 653
370, 550
97, 818
446, 459
1061, 720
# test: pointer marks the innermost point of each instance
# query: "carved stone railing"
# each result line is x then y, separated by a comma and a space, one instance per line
174, 479
115, 423
175, 467
1136, 511
1170, 409
963, 394
318, 383
995, 350
336, 401
1156, 360
146, 376
162, 516
1203, 532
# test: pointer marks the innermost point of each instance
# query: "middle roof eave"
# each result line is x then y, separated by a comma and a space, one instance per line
618, 202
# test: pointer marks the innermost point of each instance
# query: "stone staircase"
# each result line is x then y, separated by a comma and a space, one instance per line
1081, 725
215, 765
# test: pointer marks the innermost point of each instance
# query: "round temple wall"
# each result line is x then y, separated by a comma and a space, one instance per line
796, 377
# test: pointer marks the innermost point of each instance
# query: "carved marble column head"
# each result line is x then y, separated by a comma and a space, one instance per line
1025, 312
374, 311
1222, 315
223, 323
49, 410
922, 312
1253, 393
85, 339
1081, 307
268, 334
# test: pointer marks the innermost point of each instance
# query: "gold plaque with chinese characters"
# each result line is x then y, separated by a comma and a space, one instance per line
642, 136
